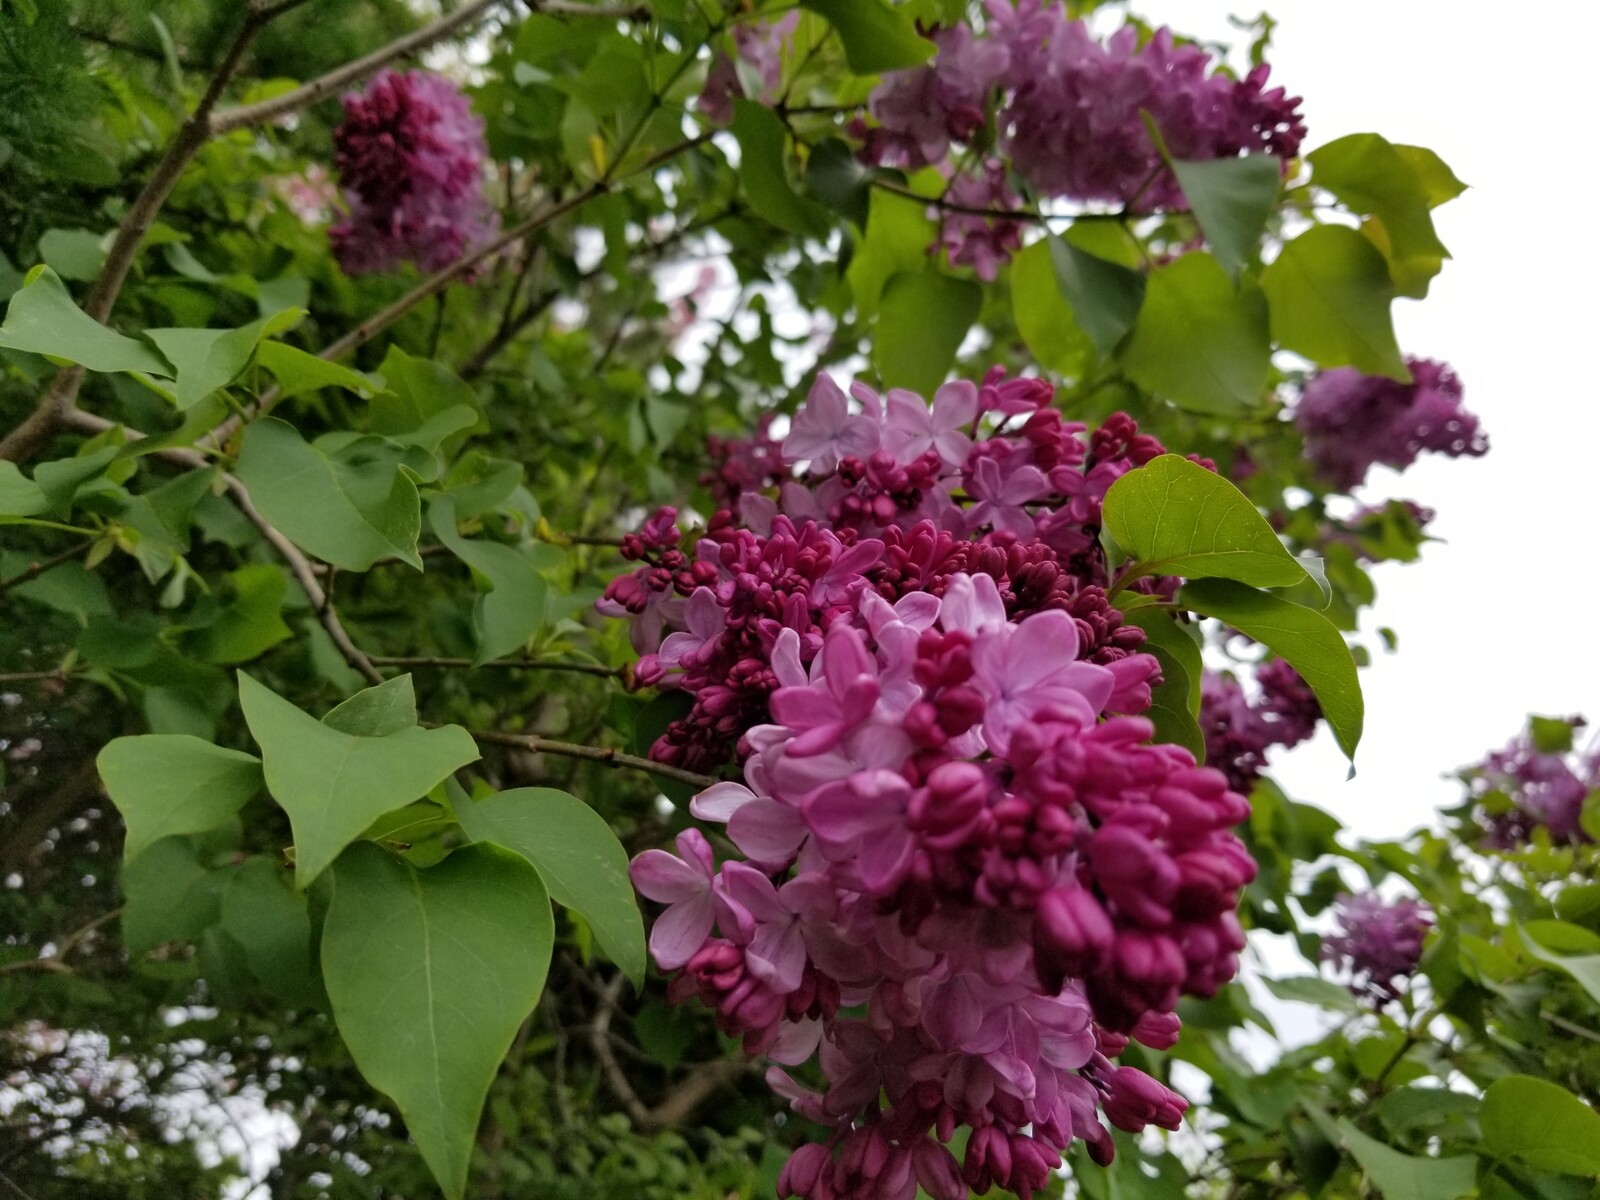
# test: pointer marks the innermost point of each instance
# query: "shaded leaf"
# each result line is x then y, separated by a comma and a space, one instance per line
1329, 292
511, 593
1542, 1124
763, 150
42, 319
1104, 296
922, 321
174, 784
875, 36
430, 973
1231, 198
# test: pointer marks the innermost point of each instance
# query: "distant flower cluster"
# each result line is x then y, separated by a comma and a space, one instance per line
759, 45
1546, 789
1239, 731
1068, 111
1352, 421
1378, 942
410, 154
965, 877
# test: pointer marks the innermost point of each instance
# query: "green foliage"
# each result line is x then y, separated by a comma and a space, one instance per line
174, 784
42, 319
1231, 199
1542, 1124
430, 973
1330, 292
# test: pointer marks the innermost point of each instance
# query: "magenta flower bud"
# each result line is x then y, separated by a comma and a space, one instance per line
1072, 935
937, 1171
1158, 1030
799, 1174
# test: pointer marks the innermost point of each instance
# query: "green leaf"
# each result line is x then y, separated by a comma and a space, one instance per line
42, 319
252, 623
1199, 342
1308, 989
1175, 701
1551, 735
1043, 317
209, 359
173, 784
170, 896
1330, 292
763, 148
266, 917
1439, 182
897, 239
430, 973
577, 855
417, 392
19, 495
1583, 967
334, 784
511, 593
1174, 517
837, 179
1371, 176
1307, 639
1104, 296
922, 321
875, 36
298, 372
1231, 198
72, 253
1542, 1124
349, 516
1409, 1177
378, 711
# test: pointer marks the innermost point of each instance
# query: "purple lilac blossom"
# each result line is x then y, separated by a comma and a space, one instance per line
1069, 112
966, 884
410, 154
895, 495
760, 46
1239, 731
1547, 790
1378, 943
965, 877
1351, 421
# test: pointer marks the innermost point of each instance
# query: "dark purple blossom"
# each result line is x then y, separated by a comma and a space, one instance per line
1546, 789
410, 154
1352, 421
1378, 943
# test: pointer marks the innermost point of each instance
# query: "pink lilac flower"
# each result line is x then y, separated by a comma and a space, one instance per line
1069, 112
1352, 421
760, 46
1000, 880
410, 155
1547, 790
895, 499
1378, 943
970, 238
964, 878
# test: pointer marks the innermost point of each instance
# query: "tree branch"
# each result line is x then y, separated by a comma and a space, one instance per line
320, 88
679, 1103
36, 569
28, 438
502, 664
300, 566
598, 754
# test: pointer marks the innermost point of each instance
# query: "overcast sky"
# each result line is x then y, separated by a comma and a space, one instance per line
1498, 621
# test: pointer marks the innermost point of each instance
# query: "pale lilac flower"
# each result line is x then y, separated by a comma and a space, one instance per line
1002, 489
824, 430
911, 428
683, 883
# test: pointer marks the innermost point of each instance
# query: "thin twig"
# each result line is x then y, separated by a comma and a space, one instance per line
1414, 1035
300, 566
1568, 1026
28, 438
599, 1041
598, 754
32, 676
500, 664
320, 88
36, 569
56, 960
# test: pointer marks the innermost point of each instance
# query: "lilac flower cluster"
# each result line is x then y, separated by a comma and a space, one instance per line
942, 837
965, 877
410, 153
1069, 112
1378, 942
1352, 421
1547, 790
897, 498
1239, 731
759, 45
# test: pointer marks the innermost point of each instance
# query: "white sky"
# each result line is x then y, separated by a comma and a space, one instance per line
1492, 625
